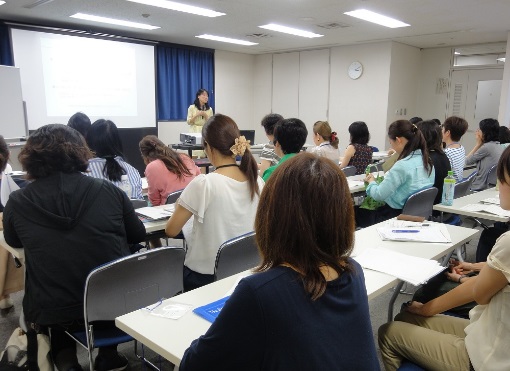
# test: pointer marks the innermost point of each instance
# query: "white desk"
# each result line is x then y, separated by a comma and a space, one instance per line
170, 338
473, 198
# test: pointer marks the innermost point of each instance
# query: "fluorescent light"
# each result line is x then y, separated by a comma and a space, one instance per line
290, 30
226, 39
2, 2
501, 59
119, 22
180, 7
373, 17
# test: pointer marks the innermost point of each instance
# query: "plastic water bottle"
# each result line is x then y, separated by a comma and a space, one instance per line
448, 189
125, 185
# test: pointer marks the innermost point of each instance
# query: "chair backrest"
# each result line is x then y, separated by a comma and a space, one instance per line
172, 197
236, 255
137, 204
375, 149
133, 282
462, 188
349, 170
492, 176
420, 203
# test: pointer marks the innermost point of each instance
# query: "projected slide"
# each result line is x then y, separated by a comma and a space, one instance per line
62, 75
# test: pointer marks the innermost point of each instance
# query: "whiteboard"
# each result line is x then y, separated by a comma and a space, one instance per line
12, 119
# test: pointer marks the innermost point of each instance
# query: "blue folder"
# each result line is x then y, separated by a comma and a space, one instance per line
212, 310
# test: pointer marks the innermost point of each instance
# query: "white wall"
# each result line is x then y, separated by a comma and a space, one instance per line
504, 105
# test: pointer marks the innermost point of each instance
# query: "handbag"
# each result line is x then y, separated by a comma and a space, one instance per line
368, 202
26, 349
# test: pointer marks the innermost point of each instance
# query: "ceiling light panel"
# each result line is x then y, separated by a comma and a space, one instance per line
118, 22
172, 5
2, 2
377, 18
226, 40
290, 30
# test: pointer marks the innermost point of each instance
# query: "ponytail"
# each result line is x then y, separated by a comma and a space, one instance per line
112, 169
249, 168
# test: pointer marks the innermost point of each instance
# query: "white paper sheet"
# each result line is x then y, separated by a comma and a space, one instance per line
491, 209
434, 233
156, 212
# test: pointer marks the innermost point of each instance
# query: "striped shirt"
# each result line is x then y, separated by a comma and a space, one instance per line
96, 167
457, 157
269, 154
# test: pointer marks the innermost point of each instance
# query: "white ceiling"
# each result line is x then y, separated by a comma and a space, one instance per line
434, 23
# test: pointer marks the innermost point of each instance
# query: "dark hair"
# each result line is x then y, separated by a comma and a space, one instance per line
80, 122
457, 127
104, 140
324, 130
220, 132
503, 169
437, 121
154, 149
415, 140
269, 121
306, 235
432, 133
54, 148
197, 102
4, 153
291, 134
359, 133
504, 135
490, 130
415, 120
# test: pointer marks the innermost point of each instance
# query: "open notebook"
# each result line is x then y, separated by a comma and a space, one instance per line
156, 213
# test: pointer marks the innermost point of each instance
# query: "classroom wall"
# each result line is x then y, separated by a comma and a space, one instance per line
504, 105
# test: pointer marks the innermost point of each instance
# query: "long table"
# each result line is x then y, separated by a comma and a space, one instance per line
170, 338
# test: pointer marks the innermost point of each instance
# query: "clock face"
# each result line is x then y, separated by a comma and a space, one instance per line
355, 70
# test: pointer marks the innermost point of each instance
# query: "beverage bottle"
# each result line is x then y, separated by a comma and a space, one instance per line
367, 171
448, 189
125, 185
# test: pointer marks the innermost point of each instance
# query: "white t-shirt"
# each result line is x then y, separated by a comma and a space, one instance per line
222, 209
325, 149
488, 334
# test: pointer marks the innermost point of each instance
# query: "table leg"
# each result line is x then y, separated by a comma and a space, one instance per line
392, 300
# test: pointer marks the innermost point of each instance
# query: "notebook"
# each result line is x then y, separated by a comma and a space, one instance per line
156, 213
212, 310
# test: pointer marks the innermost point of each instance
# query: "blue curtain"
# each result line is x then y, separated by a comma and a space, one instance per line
181, 71
5, 46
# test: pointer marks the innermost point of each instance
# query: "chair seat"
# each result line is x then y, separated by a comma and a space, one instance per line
103, 337
409, 366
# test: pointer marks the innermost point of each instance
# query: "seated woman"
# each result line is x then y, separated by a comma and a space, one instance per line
412, 172
433, 137
448, 343
358, 153
80, 122
268, 156
326, 141
68, 224
486, 153
294, 313
452, 130
222, 203
504, 136
167, 171
104, 141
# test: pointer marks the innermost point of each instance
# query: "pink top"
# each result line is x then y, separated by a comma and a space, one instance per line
162, 182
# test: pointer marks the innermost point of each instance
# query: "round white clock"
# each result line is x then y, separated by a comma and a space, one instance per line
355, 70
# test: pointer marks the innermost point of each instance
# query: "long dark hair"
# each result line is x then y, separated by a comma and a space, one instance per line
433, 136
104, 140
197, 102
306, 235
415, 140
4, 153
154, 149
220, 132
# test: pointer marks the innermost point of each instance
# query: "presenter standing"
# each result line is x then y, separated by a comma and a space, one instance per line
198, 113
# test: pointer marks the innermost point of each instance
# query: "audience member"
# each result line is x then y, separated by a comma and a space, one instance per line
289, 138
167, 171
358, 153
68, 224
326, 141
415, 120
432, 133
486, 153
222, 204
504, 136
412, 172
453, 129
104, 140
268, 156
450, 343
307, 307
80, 122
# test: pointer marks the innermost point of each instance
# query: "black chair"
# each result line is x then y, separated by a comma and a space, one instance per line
421, 203
492, 176
137, 204
349, 170
236, 255
125, 285
172, 197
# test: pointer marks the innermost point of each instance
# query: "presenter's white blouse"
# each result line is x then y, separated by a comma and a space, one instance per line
222, 209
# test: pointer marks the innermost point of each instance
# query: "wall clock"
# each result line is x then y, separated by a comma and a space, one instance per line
355, 70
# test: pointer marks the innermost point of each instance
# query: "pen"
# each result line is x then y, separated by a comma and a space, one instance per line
404, 231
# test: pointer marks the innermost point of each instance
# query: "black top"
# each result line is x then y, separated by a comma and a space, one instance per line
441, 167
270, 323
68, 224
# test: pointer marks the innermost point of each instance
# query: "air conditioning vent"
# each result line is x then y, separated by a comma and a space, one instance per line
333, 25
37, 3
259, 35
